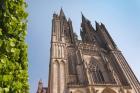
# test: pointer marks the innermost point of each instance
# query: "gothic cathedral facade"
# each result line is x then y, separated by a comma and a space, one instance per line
93, 64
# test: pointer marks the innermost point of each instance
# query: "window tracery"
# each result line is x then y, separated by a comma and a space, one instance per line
95, 71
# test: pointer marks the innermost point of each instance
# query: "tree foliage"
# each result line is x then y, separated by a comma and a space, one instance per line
13, 49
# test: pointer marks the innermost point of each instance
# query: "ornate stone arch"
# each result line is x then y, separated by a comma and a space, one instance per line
56, 65
128, 91
78, 91
62, 62
108, 90
62, 65
56, 62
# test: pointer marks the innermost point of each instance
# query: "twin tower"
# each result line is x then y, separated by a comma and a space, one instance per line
91, 65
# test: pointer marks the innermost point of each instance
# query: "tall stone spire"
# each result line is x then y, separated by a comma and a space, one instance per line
87, 31
62, 13
83, 17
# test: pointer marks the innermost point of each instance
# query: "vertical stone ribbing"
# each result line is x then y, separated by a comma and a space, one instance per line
127, 71
130, 73
62, 77
62, 51
55, 73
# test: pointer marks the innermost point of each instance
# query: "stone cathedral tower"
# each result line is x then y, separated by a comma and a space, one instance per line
91, 65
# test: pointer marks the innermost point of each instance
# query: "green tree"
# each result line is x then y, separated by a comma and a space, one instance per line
13, 48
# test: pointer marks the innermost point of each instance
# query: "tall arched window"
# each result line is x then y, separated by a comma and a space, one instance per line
100, 76
95, 71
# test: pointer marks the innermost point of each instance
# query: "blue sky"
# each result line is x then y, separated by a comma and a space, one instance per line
121, 17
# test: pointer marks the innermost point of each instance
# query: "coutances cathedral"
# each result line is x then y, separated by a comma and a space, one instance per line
91, 65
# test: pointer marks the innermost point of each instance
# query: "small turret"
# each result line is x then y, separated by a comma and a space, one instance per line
69, 20
40, 86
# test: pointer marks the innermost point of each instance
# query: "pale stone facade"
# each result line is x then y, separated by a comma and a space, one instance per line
91, 65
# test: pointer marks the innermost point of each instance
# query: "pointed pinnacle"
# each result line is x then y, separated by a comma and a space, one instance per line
102, 24
69, 20
40, 81
97, 25
61, 12
83, 17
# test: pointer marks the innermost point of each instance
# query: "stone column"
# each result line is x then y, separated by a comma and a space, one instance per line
62, 77
55, 77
